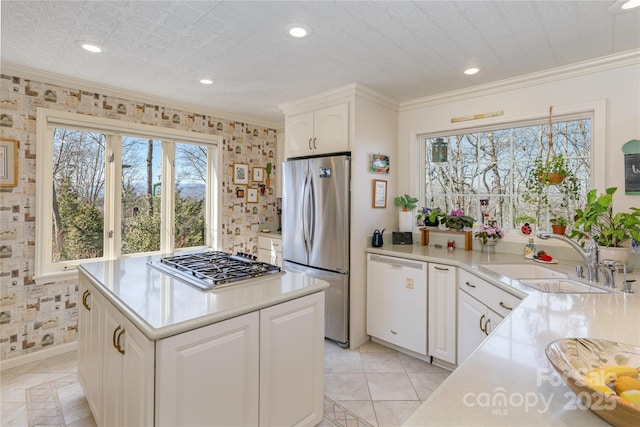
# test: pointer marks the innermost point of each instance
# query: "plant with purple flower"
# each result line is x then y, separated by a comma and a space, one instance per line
489, 232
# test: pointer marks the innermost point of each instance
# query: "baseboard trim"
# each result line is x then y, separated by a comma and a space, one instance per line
38, 355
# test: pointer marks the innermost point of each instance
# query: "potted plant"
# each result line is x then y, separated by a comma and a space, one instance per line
457, 220
489, 234
559, 224
268, 179
611, 231
430, 217
407, 203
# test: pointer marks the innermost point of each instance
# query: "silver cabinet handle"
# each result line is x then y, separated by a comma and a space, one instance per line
506, 307
469, 285
393, 332
482, 328
310, 144
314, 144
486, 327
443, 269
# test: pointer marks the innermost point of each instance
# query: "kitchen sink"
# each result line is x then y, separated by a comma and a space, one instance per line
524, 271
562, 286
543, 279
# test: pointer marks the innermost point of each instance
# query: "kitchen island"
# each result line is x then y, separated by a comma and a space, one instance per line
154, 350
508, 379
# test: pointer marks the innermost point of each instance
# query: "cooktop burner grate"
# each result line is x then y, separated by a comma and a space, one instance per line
210, 269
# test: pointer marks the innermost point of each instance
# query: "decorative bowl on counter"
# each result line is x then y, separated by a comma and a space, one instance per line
592, 368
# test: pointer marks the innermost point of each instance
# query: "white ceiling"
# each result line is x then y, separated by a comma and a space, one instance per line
405, 50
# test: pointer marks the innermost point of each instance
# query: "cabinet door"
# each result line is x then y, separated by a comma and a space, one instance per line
397, 301
331, 129
90, 344
209, 376
299, 135
472, 318
112, 368
127, 373
442, 312
292, 347
136, 395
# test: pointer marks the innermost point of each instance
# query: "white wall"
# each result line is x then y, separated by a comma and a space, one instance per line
615, 80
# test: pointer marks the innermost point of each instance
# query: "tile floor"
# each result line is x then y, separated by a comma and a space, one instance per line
370, 386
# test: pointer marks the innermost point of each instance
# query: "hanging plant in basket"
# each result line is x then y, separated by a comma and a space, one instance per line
553, 170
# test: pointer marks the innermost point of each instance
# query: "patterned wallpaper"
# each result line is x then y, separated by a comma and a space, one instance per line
34, 316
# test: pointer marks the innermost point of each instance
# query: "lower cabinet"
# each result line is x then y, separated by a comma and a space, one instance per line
263, 368
270, 250
481, 307
397, 301
442, 303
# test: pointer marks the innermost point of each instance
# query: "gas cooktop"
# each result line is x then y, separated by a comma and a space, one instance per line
213, 269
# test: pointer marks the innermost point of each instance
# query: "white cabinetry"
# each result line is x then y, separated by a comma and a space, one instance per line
442, 302
196, 389
270, 250
128, 372
318, 132
90, 344
397, 301
482, 306
292, 348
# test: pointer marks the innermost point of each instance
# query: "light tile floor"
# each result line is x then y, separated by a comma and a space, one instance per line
370, 386
378, 384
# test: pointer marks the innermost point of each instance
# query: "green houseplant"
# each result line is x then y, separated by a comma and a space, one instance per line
405, 217
430, 216
406, 202
559, 224
608, 229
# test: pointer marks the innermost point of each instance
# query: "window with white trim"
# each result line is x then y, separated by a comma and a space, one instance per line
486, 169
108, 189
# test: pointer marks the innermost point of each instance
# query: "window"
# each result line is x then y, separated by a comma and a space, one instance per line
486, 169
108, 189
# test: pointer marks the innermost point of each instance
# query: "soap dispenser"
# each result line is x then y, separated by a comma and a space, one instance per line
529, 249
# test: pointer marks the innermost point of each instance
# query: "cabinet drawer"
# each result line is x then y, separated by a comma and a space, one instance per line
270, 243
490, 295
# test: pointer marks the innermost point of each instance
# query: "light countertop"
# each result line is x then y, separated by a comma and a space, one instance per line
161, 305
508, 379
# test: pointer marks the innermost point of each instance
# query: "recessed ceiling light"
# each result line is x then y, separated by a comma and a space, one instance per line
623, 6
89, 46
298, 30
206, 81
471, 71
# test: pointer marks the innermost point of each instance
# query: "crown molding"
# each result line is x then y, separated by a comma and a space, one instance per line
578, 69
12, 69
341, 93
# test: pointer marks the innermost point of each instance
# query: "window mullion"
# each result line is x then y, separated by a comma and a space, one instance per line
113, 194
167, 201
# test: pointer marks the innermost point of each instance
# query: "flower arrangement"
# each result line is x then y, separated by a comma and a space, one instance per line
430, 216
489, 232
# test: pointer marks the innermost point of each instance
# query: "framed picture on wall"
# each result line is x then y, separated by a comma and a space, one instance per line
240, 173
258, 174
252, 195
379, 193
8, 162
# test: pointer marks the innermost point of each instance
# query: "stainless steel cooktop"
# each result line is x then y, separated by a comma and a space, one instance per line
213, 269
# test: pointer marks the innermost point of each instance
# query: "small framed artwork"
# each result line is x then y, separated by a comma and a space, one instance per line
240, 193
240, 173
8, 162
258, 174
379, 193
379, 164
252, 195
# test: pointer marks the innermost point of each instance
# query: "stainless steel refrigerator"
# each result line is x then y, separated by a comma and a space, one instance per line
315, 231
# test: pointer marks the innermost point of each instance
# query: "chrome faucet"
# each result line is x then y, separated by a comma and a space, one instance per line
590, 256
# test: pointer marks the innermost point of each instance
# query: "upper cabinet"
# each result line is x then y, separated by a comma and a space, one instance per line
322, 131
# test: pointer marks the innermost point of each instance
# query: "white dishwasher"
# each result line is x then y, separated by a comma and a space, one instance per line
397, 301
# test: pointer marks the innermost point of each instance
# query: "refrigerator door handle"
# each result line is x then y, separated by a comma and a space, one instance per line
305, 213
312, 213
